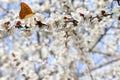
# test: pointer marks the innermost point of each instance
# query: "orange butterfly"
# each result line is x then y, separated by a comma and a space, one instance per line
25, 11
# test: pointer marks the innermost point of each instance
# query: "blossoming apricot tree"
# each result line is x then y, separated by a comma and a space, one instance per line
63, 40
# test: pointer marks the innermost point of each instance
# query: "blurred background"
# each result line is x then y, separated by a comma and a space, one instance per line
35, 55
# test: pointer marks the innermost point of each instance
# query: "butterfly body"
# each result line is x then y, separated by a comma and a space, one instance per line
25, 11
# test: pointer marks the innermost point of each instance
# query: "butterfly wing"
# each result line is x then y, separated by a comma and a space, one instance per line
25, 10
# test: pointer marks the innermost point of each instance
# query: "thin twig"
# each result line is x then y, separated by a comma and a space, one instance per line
101, 66
38, 37
110, 62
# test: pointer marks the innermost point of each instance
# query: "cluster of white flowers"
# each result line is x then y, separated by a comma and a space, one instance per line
64, 40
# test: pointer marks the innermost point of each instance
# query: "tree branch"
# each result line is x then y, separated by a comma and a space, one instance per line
101, 37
